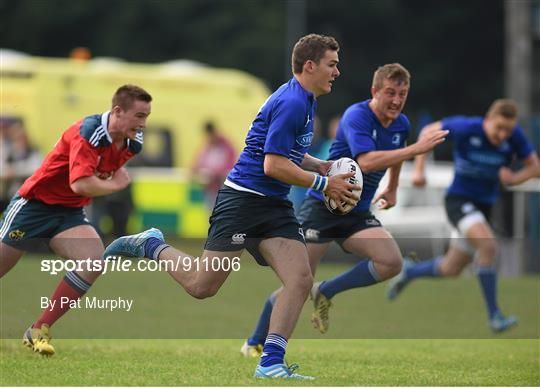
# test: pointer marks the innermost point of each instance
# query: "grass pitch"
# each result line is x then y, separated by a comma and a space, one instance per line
434, 334
333, 362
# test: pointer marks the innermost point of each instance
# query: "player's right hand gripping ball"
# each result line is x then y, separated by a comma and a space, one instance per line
342, 166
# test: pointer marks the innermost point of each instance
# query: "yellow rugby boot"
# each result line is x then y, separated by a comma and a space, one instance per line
38, 339
321, 304
254, 351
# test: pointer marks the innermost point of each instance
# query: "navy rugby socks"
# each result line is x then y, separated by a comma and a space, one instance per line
488, 281
273, 350
153, 247
428, 268
361, 275
261, 330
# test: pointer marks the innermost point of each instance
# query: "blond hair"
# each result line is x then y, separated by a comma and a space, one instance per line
391, 71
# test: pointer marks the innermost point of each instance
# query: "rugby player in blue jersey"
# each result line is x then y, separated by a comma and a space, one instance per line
373, 132
483, 148
252, 211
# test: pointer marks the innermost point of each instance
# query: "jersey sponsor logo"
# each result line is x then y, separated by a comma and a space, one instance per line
238, 238
304, 140
491, 158
475, 141
374, 134
396, 139
312, 234
16, 235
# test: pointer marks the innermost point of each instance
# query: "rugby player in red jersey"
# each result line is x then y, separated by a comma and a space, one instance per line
48, 209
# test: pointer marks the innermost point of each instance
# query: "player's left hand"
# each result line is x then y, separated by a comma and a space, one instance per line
386, 199
507, 176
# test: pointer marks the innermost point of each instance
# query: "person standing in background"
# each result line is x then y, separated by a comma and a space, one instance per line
19, 160
213, 163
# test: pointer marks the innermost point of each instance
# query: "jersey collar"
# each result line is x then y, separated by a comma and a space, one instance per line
308, 94
105, 124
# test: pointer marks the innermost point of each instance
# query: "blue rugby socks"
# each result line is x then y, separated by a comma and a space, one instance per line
261, 330
273, 350
428, 268
153, 247
488, 282
361, 275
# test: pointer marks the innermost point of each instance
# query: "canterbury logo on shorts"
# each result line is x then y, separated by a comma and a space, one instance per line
238, 238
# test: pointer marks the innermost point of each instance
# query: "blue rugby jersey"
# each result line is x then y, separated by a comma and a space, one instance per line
477, 161
359, 132
283, 126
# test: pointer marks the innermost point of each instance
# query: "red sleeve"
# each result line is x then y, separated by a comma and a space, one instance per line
83, 159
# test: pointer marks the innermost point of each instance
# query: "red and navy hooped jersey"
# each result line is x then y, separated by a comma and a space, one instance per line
85, 149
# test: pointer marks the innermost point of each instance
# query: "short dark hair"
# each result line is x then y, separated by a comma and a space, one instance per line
311, 47
503, 107
127, 94
391, 71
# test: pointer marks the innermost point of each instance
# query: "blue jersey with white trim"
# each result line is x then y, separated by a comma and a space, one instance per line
477, 161
360, 131
283, 126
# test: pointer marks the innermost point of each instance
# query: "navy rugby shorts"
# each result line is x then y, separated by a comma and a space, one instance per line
458, 208
241, 220
321, 226
29, 225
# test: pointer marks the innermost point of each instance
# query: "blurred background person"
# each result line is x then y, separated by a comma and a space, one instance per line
484, 148
4, 145
323, 150
213, 162
19, 159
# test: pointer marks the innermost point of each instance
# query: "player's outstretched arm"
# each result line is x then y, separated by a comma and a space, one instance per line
431, 136
418, 177
531, 169
92, 186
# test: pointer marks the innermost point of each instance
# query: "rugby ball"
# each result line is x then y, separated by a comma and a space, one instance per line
342, 166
